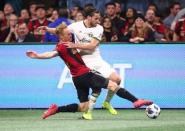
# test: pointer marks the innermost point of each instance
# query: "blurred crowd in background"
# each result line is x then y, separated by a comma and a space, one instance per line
134, 21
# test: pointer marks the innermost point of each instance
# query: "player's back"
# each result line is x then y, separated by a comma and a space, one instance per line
72, 59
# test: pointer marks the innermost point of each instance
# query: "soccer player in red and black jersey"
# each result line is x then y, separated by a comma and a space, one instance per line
83, 78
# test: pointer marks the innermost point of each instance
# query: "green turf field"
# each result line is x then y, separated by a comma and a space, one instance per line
127, 120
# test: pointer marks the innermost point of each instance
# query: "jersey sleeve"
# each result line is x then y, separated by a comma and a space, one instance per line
71, 27
97, 34
57, 47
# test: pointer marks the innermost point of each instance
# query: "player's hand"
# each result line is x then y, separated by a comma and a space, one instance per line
31, 54
69, 45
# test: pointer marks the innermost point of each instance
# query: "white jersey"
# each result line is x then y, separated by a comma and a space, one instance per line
83, 35
91, 58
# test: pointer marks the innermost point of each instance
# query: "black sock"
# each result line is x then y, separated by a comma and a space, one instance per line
123, 93
68, 108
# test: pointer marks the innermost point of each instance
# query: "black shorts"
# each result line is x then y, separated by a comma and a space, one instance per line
93, 80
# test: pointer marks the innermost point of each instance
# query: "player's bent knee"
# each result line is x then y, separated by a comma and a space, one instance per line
118, 80
112, 86
115, 77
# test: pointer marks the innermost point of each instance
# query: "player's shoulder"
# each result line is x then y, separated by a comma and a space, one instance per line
60, 47
77, 23
59, 44
99, 27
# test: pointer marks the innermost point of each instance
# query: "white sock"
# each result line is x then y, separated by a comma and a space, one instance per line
92, 101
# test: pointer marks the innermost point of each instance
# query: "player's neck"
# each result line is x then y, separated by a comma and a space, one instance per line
87, 23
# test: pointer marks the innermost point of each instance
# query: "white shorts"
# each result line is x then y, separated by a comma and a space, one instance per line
101, 66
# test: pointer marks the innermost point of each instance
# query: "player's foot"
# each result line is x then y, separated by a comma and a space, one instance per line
87, 116
51, 111
108, 106
140, 102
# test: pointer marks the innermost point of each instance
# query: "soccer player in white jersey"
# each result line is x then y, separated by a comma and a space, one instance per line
88, 34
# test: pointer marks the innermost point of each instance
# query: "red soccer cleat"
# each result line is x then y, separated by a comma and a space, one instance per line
51, 111
141, 102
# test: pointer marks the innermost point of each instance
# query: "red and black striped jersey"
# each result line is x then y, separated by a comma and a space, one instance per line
72, 59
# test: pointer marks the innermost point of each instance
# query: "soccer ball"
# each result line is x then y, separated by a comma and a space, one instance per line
153, 111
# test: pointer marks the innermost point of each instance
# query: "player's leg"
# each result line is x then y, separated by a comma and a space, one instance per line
115, 78
82, 86
123, 93
89, 82
82, 107
82, 96
108, 72
82, 93
96, 82
92, 100
53, 109
106, 104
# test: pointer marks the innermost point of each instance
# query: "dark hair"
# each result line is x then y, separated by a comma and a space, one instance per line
63, 13
41, 6
134, 12
158, 14
139, 15
153, 4
110, 3
90, 11
117, 1
88, 5
32, 3
81, 11
106, 17
78, 6
173, 4
22, 22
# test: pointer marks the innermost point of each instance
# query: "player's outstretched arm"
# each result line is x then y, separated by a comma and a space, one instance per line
45, 55
48, 29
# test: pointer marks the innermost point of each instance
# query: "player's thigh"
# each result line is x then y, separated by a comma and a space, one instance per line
109, 72
82, 93
98, 81
82, 89
105, 69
